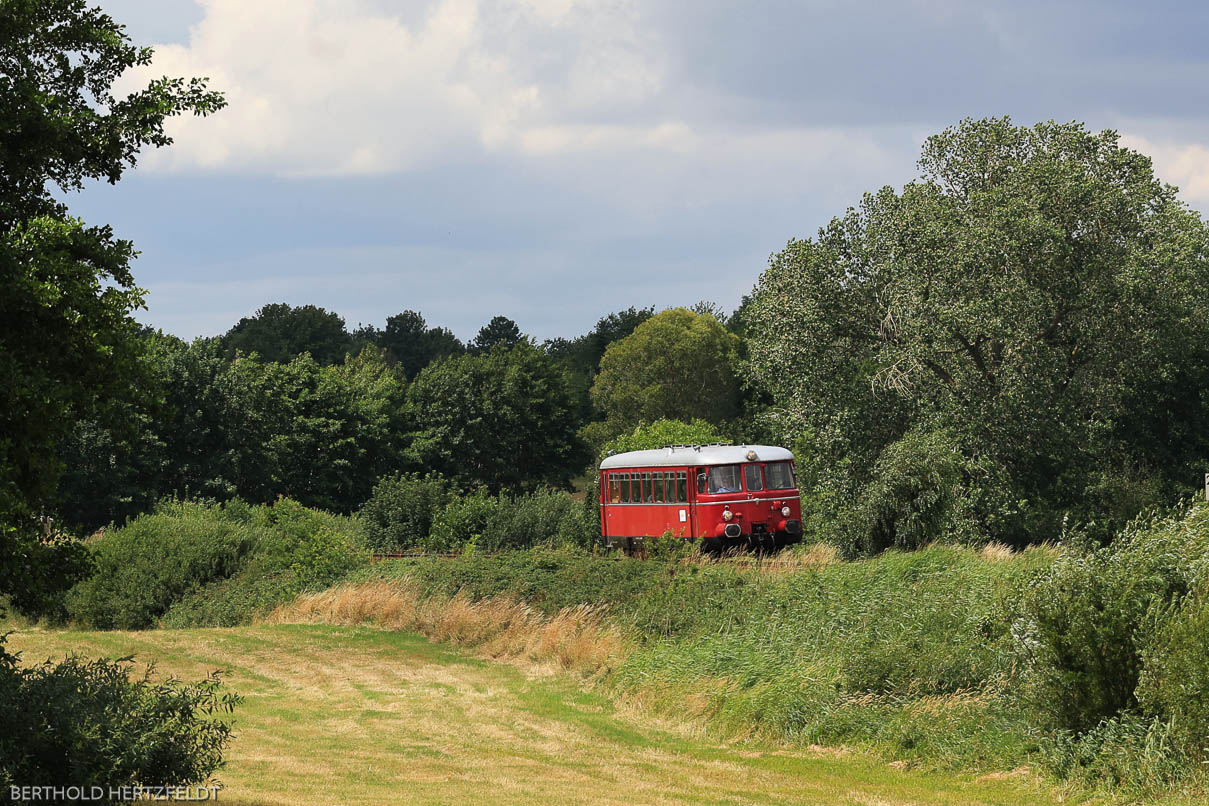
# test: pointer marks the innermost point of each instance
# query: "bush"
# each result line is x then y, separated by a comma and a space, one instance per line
316, 547
142, 568
399, 514
1127, 753
914, 497
462, 523
86, 723
1084, 626
548, 580
235, 601
1174, 682
299, 549
194, 564
545, 518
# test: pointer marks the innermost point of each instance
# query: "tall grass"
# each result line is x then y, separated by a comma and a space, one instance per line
575, 638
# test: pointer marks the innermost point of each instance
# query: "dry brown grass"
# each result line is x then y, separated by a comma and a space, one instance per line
996, 552
575, 639
802, 558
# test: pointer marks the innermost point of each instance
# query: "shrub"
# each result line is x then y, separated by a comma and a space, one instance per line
462, 523
315, 546
399, 514
545, 518
145, 566
548, 580
298, 550
208, 564
1083, 626
1174, 682
86, 723
234, 601
1126, 753
914, 497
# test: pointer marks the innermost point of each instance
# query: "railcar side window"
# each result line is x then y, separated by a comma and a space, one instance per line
657, 488
724, 479
625, 487
682, 486
752, 477
700, 481
614, 488
779, 476
646, 488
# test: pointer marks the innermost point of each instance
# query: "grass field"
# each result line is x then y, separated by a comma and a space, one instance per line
361, 715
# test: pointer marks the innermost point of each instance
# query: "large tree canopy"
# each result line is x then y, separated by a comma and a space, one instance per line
504, 419
1036, 302
412, 343
677, 365
65, 329
499, 332
280, 333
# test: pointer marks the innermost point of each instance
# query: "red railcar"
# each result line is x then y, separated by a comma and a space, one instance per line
724, 495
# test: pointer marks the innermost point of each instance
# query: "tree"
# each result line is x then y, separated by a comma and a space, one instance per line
661, 434
676, 365
1037, 297
247, 428
412, 343
279, 333
611, 328
499, 332
504, 419
65, 328
580, 357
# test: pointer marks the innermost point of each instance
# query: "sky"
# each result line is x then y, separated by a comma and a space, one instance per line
557, 160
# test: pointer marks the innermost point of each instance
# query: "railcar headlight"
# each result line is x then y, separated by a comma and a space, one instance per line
727, 514
785, 511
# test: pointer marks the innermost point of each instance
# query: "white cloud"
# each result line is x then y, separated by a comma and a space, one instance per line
1183, 164
320, 87
349, 87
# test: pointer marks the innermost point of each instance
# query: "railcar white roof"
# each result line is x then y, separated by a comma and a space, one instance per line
696, 455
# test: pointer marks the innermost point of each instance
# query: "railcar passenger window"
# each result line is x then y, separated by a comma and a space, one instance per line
614, 488
682, 486
752, 478
657, 488
625, 487
779, 476
724, 479
646, 488
700, 481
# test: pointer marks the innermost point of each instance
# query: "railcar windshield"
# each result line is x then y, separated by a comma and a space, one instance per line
724, 479
779, 476
751, 477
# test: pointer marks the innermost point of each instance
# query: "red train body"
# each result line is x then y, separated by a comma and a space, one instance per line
724, 495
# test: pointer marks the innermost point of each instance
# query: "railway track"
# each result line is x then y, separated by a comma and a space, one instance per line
769, 562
